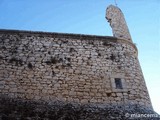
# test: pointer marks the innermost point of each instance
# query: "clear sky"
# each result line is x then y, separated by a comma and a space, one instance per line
88, 17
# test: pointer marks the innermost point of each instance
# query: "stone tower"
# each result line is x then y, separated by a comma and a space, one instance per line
120, 30
117, 22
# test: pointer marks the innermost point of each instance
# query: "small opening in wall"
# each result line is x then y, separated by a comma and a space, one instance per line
108, 94
30, 66
118, 83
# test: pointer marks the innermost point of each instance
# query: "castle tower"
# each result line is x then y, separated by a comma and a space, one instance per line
117, 22
120, 30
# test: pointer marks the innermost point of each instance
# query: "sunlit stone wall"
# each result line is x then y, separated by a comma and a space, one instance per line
70, 67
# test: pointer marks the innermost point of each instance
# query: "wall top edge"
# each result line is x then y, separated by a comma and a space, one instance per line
65, 35
54, 33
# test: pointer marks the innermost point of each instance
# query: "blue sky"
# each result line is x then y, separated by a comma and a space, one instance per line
88, 17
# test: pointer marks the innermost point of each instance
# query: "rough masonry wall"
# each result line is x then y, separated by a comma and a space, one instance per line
117, 22
68, 67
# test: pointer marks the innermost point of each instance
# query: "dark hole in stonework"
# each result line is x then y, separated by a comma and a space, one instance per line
69, 59
44, 46
13, 50
71, 50
108, 94
63, 66
1, 57
20, 62
65, 41
21, 36
29, 36
12, 60
118, 83
25, 46
112, 57
119, 67
106, 43
53, 73
48, 62
30, 66
16, 61
68, 64
60, 59
99, 54
3, 47
54, 60
49, 52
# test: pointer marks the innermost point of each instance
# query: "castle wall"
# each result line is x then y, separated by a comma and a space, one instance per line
70, 67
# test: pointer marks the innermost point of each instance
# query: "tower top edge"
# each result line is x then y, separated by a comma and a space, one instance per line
113, 6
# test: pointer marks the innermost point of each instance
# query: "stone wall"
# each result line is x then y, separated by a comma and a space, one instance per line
17, 109
70, 67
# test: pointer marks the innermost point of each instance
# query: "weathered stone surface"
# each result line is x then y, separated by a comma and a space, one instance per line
69, 67
17, 109
117, 22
